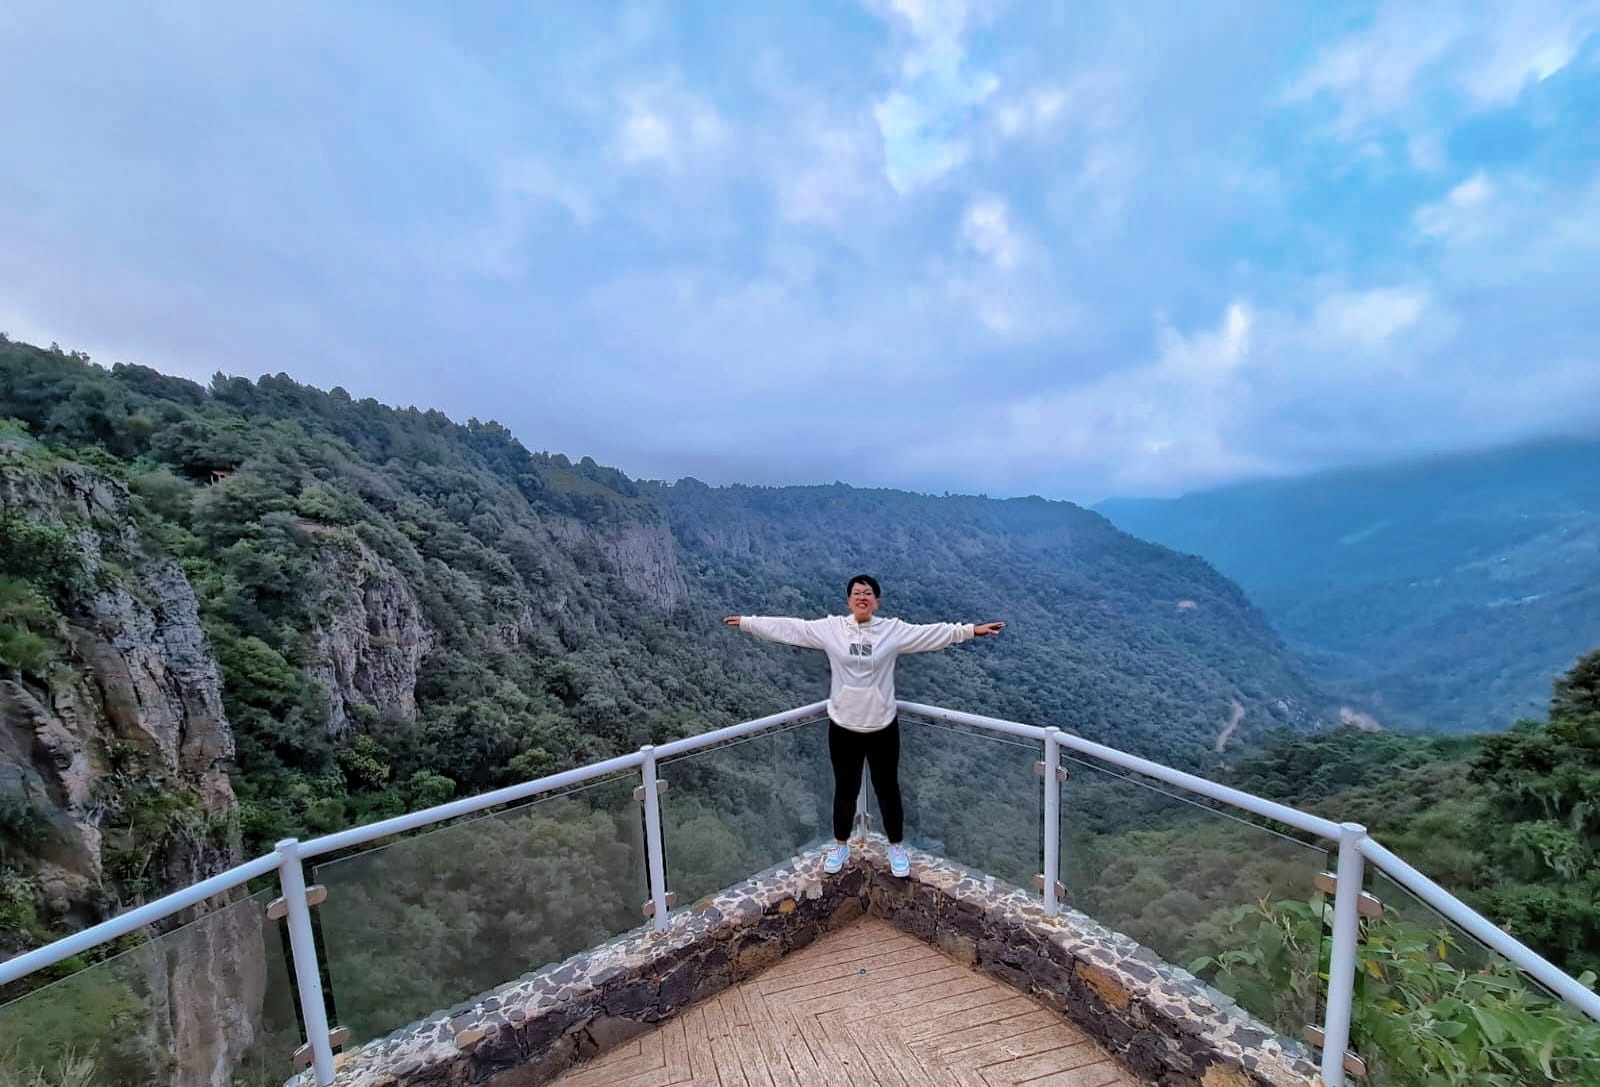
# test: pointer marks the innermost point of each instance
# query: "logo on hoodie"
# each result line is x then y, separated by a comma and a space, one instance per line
861, 649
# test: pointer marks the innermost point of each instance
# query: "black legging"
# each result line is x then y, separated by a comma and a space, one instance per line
881, 750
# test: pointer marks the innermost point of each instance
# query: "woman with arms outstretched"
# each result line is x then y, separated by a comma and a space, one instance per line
862, 723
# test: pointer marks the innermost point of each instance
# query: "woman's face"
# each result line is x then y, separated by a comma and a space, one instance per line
863, 601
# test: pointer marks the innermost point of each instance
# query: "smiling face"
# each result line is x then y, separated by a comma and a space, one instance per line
863, 600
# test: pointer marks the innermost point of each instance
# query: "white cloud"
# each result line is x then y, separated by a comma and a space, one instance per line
1196, 412
1033, 112
667, 125
1090, 101
1005, 277
645, 135
534, 180
1375, 72
1526, 44
1085, 120
986, 227
1458, 213
1369, 318
833, 170
924, 117
1381, 76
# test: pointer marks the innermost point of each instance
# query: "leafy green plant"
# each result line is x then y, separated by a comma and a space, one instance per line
68, 1069
1427, 1012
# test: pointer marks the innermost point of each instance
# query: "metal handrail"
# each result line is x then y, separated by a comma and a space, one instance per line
1294, 817
20, 966
1354, 847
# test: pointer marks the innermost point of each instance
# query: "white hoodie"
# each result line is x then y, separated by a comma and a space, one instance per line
863, 658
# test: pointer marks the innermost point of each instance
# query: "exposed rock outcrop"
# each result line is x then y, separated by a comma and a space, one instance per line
131, 715
368, 649
642, 552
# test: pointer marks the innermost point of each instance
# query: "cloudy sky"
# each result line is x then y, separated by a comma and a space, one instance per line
1072, 249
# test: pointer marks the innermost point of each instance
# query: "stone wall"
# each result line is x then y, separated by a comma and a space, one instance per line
1163, 1024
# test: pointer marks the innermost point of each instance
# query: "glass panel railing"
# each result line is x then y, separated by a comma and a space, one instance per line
208, 1002
282, 1031
426, 922
1202, 887
974, 797
1436, 1005
734, 810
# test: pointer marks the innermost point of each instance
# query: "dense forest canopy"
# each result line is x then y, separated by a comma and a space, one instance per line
406, 609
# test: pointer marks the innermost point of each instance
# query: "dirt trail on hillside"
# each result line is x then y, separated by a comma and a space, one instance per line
1233, 723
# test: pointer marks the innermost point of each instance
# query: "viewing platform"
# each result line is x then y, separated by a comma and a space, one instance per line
1074, 915
867, 1004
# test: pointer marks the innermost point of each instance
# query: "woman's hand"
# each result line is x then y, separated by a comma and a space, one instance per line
731, 620
983, 630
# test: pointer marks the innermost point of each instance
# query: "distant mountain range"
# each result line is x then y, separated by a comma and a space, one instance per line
1444, 593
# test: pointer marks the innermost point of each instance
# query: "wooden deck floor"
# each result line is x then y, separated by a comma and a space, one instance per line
866, 1005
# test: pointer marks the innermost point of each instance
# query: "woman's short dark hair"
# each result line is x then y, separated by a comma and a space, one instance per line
864, 579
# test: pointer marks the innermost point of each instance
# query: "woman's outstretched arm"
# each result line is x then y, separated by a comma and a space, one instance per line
806, 633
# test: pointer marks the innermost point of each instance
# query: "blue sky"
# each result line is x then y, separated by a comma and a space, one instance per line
1071, 249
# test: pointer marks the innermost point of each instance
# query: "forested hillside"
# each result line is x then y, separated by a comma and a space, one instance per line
403, 609
1440, 594
1507, 820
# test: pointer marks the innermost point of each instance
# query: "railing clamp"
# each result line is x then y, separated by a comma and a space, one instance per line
1353, 1064
661, 787
1061, 771
650, 906
1038, 885
336, 1037
278, 908
1367, 904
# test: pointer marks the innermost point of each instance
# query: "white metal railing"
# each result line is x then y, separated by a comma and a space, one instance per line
1355, 848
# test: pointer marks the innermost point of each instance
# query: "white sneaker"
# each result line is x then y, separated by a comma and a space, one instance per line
899, 863
836, 858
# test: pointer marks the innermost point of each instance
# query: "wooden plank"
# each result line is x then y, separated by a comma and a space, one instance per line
889, 986
845, 991
719, 1038
747, 1043
770, 981
834, 1033
675, 1051
892, 1063
770, 1044
1049, 1062
967, 1010
1030, 1043
995, 1030
1089, 1075
895, 993
697, 1043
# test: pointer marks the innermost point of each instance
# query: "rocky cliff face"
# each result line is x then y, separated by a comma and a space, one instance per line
367, 651
642, 552
136, 695
119, 754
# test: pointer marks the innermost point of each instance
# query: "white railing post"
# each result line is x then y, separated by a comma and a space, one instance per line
303, 949
655, 858
1052, 819
1342, 958
862, 817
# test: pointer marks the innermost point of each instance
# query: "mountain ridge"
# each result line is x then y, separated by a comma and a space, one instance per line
1439, 592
